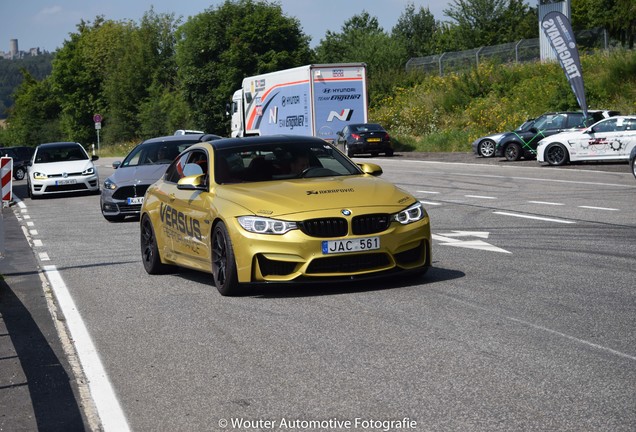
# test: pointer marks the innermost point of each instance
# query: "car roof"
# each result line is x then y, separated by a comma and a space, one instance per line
58, 144
193, 138
264, 140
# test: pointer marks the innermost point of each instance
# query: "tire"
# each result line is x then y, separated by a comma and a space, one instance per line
486, 148
389, 153
512, 152
19, 173
30, 192
150, 251
348, 151
223, 262
633, 164
556, 154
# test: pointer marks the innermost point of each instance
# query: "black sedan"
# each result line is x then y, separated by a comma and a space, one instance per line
365, 138
20, 156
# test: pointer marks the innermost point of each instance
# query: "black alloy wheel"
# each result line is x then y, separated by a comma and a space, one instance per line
149, 249
556, 154
223, 262
513, 152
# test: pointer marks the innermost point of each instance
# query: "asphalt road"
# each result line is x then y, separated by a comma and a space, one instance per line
525, 322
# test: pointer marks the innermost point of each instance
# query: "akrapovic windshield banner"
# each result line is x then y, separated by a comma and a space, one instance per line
558, 30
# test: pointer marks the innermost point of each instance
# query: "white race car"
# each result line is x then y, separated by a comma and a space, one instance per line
610, 139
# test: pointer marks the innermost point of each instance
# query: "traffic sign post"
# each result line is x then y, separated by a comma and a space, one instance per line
97, 118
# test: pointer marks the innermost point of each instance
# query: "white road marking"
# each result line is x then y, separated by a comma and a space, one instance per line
451, 240
430, 203
428, 192
33, 232
44, 256
519, 215
546, 203
37, 243
599, 208
481, 197
108, 407
543, 328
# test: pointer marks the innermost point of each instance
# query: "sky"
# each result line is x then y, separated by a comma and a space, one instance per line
46, 24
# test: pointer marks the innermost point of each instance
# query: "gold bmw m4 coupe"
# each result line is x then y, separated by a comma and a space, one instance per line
280, 209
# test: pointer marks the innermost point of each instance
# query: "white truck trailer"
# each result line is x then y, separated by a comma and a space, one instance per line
316, 100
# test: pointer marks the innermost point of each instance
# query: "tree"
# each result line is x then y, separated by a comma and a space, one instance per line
416, 31
618, 17
219, 47
34, 116
363, 40
80, 69
146, 63
491, 22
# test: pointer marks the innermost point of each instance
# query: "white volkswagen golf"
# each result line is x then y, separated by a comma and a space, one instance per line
610, 139
61, 167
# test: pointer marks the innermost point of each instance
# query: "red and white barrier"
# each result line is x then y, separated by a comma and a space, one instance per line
6, 175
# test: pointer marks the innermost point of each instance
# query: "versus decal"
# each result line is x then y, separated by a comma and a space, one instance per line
173, 218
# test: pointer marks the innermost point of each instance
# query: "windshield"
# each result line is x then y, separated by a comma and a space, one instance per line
155, 153
280, 161
60, 153
526, 125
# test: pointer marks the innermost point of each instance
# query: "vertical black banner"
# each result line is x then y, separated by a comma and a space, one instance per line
559, 32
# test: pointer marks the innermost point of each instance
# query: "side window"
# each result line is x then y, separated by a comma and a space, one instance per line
574, 120
191, 163
606, 126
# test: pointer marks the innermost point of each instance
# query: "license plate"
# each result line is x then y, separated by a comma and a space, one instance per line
65, 182
352, 245
135, 200
373, 140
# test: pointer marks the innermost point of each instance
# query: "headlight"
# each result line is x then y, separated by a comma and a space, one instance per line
262, 225
108, 184
410, 215
39, 176
89, 171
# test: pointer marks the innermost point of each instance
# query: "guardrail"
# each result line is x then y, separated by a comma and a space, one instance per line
524, 50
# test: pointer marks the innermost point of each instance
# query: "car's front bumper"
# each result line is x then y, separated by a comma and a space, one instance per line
59, 185
296, 256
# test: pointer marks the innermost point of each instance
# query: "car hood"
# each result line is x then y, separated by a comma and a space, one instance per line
495, 137
76, 166
562, 137
141, 174
279, 198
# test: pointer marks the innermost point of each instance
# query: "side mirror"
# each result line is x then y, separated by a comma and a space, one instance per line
94, 157
194, 182
371, 169
116, 164
339, 133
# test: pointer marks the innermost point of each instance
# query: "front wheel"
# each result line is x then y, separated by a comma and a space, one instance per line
513, 152
633, 163
223, 262
486, 148
556, 154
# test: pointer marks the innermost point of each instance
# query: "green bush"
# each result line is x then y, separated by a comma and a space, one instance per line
448, 113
